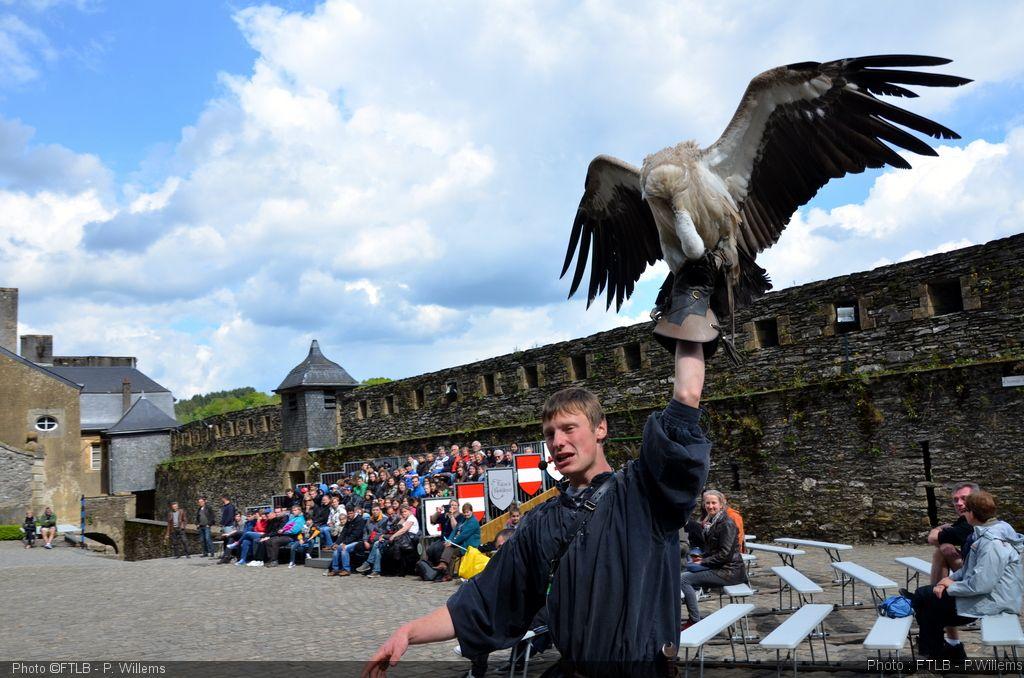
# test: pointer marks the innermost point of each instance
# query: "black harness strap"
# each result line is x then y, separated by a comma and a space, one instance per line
583, 515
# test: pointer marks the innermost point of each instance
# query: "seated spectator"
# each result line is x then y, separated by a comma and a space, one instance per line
416, 490
402, 539
289, 498
251, 537
988, 583
500, 460
307, 539
720, 563
48, 525
514, 516
359, 488
28, 526
513, 450
233, 537
948, 539
369, 530
391, 489
466, 534
448, 519
336, 518
283, 536
321, 516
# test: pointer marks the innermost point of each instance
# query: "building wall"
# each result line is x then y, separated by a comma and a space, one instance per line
28, 393
9, 319
16, 467
133, 458
258, 428
93, 481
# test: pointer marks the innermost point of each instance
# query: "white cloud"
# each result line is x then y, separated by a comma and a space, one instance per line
400, 184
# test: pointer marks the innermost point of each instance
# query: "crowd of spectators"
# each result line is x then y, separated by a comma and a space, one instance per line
369, 521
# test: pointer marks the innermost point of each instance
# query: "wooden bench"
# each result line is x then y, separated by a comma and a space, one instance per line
915, 568
889, 635
853, 573
694, 637
795, 630
833, 550
786, 554
793, 580
1002, 630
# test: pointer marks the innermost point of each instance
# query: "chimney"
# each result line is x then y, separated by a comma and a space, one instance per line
38, 348
126, 395
9, 318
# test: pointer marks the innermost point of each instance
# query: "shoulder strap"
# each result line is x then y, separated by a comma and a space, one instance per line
583, 515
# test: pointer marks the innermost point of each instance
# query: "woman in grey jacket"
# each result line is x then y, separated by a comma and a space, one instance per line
990, 581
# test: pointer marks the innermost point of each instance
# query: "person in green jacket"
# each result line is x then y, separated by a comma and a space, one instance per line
48, 523
465, 535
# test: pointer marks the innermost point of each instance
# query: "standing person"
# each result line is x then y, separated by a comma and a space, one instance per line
176, 520
29, 528
204, 521
228, 512
990, 582
578, 554
48, 527
720, 563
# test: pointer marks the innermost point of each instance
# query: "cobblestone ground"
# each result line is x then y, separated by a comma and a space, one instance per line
91, 606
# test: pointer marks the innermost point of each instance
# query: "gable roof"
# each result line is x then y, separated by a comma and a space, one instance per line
316, 370
48, 371
143, 416
108, 379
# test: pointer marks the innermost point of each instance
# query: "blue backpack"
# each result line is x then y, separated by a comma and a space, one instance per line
895, 607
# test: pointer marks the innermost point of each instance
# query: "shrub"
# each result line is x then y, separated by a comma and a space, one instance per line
10, 532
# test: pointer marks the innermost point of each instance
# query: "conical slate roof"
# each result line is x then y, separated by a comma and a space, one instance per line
316, 370
143, 416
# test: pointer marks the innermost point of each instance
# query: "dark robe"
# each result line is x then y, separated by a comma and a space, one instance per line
614, 601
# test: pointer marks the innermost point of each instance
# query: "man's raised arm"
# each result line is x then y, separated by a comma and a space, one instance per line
429, 628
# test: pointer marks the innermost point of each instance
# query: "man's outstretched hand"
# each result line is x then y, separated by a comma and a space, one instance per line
429, 628
388, 654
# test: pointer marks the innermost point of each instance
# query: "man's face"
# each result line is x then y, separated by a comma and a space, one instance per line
476, 447
574, 444
202, 502
960, 500
455, 449
335, 501
295, 511
415, 481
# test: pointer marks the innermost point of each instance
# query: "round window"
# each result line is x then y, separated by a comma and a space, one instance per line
46, 423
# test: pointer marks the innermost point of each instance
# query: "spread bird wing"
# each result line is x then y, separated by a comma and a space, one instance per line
800, 125
615, 229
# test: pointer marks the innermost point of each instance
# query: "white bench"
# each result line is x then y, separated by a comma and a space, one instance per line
853, 573
738, 593
795, 630
793, 580
749, 560
833, 550
694, 637
915, 568
1002, 630
889, 635
786, 554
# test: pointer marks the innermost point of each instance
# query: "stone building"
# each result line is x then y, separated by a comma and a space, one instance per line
107, 392
863, 398
309, 402
40, 456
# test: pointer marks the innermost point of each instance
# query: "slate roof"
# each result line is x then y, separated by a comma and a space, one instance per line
316, 370
108, 379
49, 371
143, 416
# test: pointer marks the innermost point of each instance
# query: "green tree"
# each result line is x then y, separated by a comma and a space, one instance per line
219, 402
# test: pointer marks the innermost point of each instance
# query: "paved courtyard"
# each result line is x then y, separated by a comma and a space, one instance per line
92, 606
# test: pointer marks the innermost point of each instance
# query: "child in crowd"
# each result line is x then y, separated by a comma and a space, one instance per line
29, 527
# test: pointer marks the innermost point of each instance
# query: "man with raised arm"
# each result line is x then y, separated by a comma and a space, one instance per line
602, 557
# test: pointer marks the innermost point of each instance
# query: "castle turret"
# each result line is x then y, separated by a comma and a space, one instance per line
309, 402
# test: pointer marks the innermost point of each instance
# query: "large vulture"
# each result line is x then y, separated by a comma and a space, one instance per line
796, 127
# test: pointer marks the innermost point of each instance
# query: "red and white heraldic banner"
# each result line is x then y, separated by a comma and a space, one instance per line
474, 493
528, 474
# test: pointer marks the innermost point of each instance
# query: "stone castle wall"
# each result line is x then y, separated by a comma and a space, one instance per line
820, 432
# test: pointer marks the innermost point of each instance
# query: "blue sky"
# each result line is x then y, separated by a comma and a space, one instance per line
211, 185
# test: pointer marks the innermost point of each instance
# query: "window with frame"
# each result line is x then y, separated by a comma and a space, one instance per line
488, 381
847, 316
631, 356
419, 398
330, 400
766, 332
389, 404
96, 457
363, 409
945, 296
577, 367
46, 423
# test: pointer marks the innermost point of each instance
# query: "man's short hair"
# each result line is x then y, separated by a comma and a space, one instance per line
982, 505
974, 487
573, 400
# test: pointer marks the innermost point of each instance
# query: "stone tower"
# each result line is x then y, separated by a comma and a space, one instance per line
9, 318
309, 402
